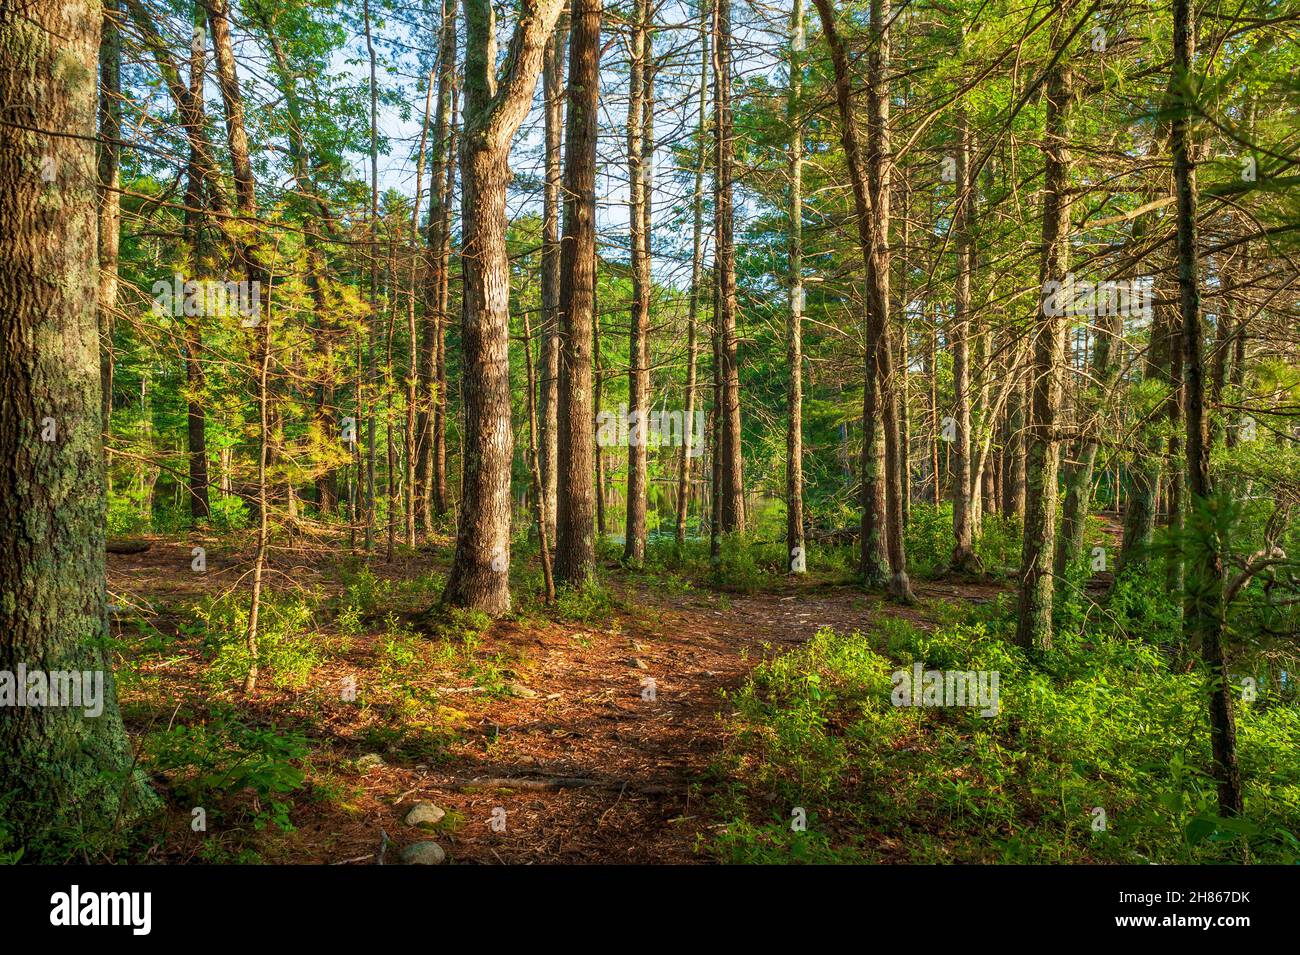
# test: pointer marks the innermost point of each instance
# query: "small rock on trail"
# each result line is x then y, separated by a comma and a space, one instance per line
424, 814
424, 853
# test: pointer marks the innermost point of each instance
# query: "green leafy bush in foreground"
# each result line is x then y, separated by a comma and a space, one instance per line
213, 765
1099, 731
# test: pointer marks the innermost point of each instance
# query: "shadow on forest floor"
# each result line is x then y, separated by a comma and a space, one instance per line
614, 721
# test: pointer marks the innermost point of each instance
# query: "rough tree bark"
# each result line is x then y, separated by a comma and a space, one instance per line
60, 767
575, 550
963, 551
110, 202
638, 372
868, 175
796, 557
535, 467
879, 167
549, 370
697, 272
1034, 613
195, 193
494, 108
731, 479
1203, 620
412, 435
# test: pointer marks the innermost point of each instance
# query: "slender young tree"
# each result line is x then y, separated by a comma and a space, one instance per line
535, 467
638, 373
963, 552
442, 390
309, 198
411, 437
196, 191
1203, 620
688, 454
255, 266
794, 539
598, 390
110, 201
1034, 615
372, 224
430, 469
731, 488
549, 366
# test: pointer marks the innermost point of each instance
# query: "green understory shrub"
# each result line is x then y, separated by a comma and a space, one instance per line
1099, 752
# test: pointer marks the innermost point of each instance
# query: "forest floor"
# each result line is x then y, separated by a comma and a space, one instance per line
597, 737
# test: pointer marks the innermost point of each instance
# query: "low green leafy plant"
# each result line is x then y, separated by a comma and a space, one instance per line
1097, 753
212, 765
285, 647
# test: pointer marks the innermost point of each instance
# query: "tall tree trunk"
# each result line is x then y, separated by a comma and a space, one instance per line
1013, 484
494, 108
575, 550
232, 99
1236, 377
715, 451
648, 107
263, 358
1164, 364
248, 248
1203, 621
963, 552
535, 467
1144, 472
413, 430
693, 305
1034, 614
794, 540
549, 371
869, 177
874, 556
903, 391
430, 473
602, 490
983, 476
732, 487
390, 392
195, 198
879, 273
1175, 450
201, 193
60, 767
442, 391
932, 370
110, 205
638, 373
372, 227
